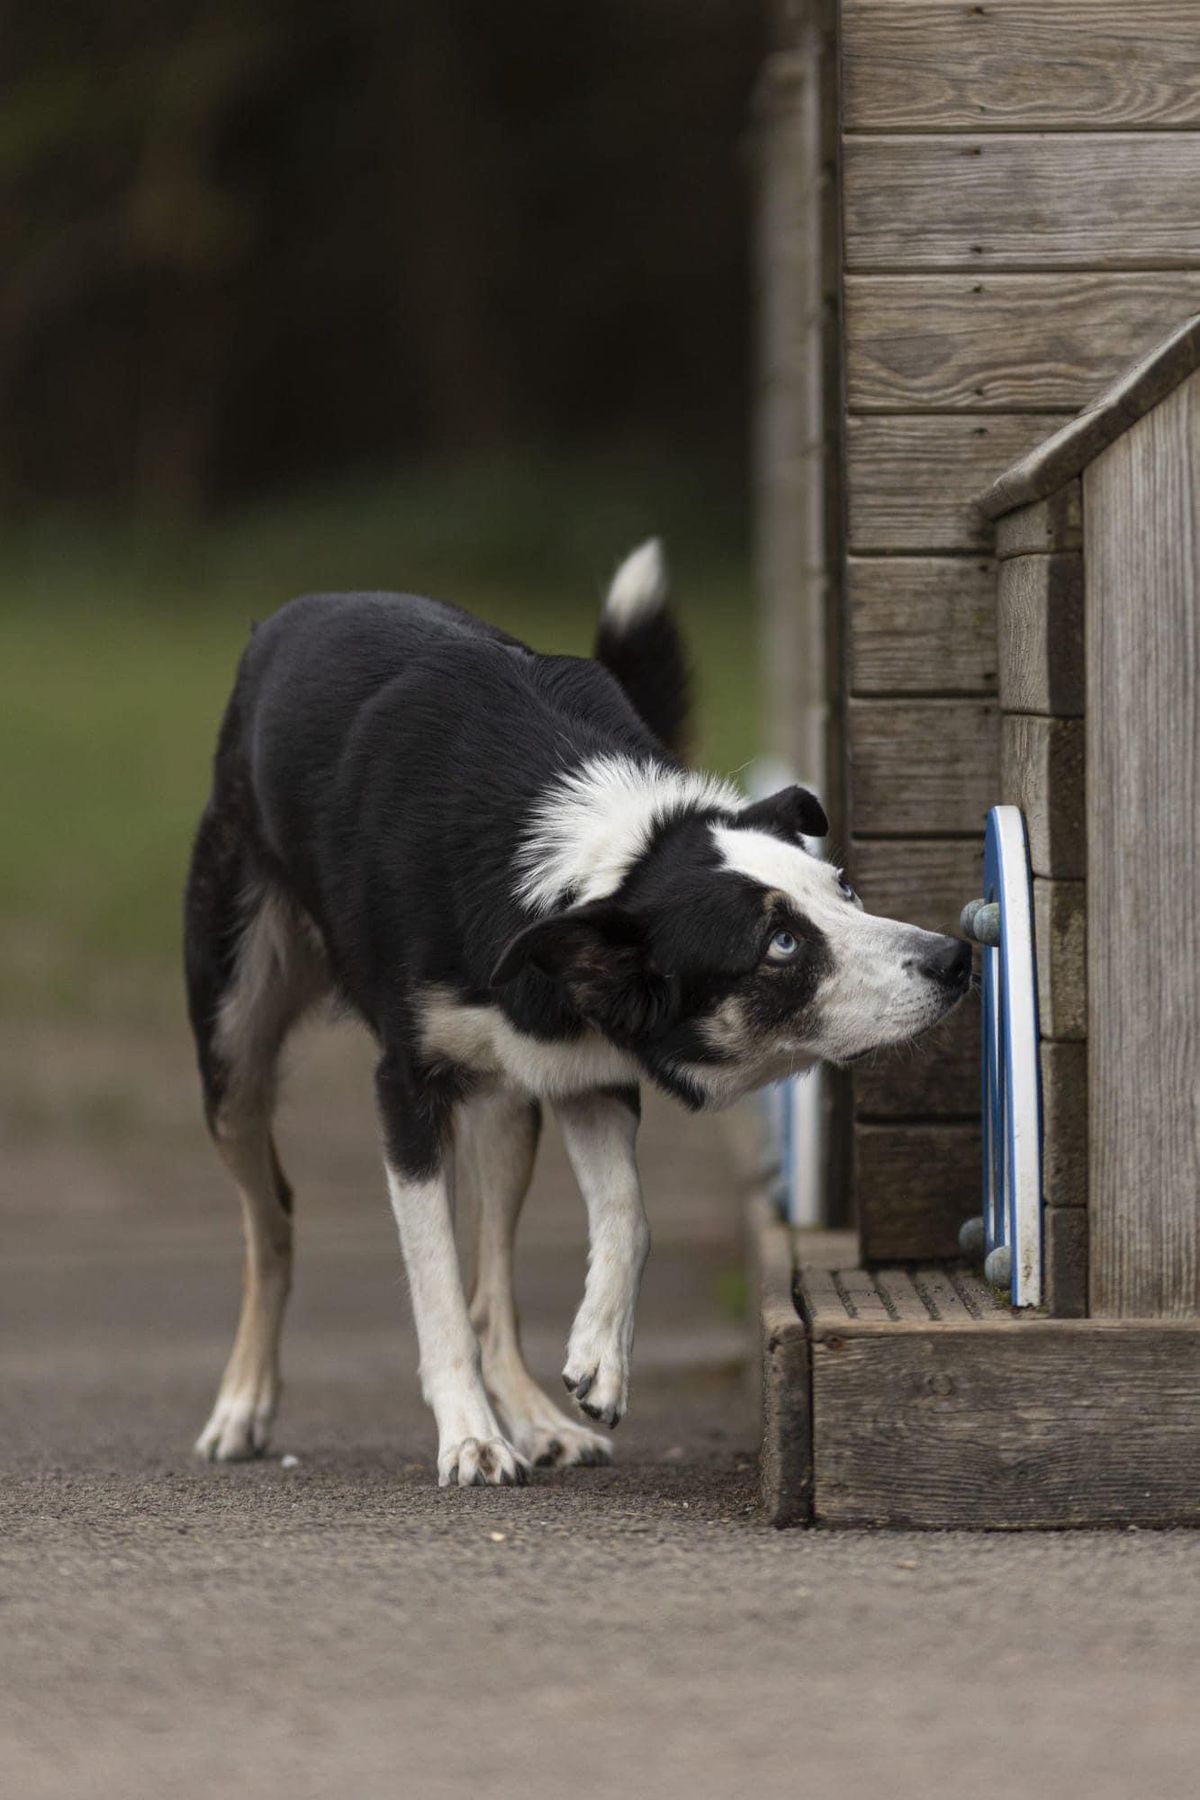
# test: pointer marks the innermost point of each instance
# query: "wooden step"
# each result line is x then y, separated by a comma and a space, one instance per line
916, 1397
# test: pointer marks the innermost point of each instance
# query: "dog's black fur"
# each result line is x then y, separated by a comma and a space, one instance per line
377, 765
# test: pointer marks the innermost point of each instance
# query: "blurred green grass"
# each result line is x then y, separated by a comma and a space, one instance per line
118, 646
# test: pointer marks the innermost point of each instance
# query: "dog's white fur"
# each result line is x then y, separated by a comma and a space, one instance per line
590, 828
639, 586
471, 1445
600, 1132
481, 1039
873, 994
495, 1143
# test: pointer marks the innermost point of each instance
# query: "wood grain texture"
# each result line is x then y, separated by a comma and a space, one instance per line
915, 1185
1019, 64
941, 1297
913, 483
937, 1077
1041, 771
1003, 343
901, 1294
1039, 1423
1068, 450
1039, 634
1022, 202
1055, 523
1142, 520
1064, 1124
863, 1299
921, 624
921, 766
1065, 1242
785, 1454
1060, 934
925, 883
827, 1298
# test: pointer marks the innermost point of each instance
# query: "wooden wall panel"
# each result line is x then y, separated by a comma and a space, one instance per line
1003, 343
1080, 64
922, 767
925, 883
1142, 545
1039, 631
915, 1185
937, 1077
1060, 930
912, 482
1051, 201
1042, 772
921, 624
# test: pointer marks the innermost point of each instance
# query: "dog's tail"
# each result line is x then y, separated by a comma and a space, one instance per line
639, 643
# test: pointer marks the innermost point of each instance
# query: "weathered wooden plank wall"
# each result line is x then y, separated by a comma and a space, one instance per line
1142, 548
1019, 187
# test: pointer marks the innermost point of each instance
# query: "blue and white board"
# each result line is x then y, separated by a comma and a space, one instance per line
1012, 1108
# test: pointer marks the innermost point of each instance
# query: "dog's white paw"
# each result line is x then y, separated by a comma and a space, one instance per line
240, 1425
562, 1445
597, 1374
481, 1462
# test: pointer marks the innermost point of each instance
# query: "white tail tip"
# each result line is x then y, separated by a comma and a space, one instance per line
639, 585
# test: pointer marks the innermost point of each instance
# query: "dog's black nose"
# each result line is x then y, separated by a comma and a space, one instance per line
950, 963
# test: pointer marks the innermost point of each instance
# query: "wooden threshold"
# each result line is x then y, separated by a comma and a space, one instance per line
915, 1398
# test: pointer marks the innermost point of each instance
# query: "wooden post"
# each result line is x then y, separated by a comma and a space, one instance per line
1142, 552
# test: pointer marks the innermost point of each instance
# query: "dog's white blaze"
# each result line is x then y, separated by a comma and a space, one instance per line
874, 994
481, 1039
639, 586
592, 825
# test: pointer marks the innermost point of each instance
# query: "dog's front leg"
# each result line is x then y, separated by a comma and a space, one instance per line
600, 1132
472, 1449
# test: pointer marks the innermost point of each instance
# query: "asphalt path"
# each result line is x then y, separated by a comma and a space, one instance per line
334, 1625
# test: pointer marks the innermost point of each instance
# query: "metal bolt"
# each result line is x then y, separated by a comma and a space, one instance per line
972, 1240
997, 1266
980, 920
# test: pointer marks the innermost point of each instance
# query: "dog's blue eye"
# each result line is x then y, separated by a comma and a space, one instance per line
844, 887
783, 946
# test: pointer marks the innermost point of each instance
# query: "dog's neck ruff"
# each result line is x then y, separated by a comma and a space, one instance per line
592, 825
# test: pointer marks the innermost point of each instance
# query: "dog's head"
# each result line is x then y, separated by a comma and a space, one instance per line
730, 956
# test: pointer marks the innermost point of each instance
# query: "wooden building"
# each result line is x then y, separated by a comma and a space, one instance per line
974, 217
980, 505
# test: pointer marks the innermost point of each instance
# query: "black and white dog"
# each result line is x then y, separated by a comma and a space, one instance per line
498, 862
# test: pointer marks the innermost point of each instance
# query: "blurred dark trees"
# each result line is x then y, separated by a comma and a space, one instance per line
254, 242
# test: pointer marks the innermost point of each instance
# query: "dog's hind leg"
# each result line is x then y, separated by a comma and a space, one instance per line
496, 1138
253, 967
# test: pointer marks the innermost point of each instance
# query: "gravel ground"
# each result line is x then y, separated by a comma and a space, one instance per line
341, 1628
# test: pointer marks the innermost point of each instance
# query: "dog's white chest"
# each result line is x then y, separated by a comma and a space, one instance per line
481, 1040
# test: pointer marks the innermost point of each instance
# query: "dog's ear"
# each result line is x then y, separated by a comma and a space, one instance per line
792, 812
599, 954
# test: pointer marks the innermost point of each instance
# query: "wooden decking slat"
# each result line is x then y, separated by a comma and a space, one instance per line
819, 1297
980, 1298
863, 1296
942, 1297
897, 1284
